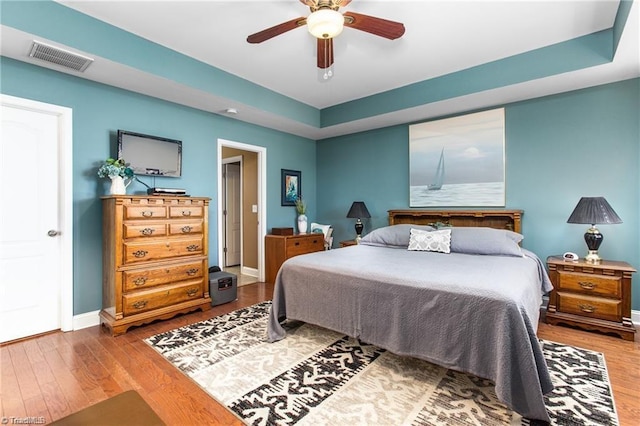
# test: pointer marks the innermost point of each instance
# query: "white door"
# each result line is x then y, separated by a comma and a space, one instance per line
232, 212
30, 224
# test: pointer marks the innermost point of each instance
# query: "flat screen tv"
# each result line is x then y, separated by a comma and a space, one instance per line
150, 155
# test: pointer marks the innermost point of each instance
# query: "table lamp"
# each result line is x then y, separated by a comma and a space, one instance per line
358, 210
593, 210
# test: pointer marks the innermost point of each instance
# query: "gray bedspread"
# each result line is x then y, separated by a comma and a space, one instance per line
471, 313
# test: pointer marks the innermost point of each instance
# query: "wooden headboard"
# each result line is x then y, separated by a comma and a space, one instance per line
499, 219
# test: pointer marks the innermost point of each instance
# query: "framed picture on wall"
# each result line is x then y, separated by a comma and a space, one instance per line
458, 161
291, 187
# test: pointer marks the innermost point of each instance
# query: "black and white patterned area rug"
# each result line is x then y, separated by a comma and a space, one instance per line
318, 377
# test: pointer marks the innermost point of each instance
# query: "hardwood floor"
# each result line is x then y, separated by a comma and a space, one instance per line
57, 374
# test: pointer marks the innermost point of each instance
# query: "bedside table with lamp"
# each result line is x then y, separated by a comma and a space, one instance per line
591, 293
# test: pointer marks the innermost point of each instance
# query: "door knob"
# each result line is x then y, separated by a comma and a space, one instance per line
53, 233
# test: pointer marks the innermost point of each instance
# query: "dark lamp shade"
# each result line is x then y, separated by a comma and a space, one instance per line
358, 210
593, 210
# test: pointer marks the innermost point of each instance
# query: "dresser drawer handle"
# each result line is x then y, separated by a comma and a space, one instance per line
191, 272
186, 212
147, 231
296, 243
140, 304
587, 308
140, 281
315, 241
140, 253
147, 213
587, 285
192, 292
186, 229
193, 247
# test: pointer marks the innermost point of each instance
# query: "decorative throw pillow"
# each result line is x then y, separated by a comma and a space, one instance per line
439, 241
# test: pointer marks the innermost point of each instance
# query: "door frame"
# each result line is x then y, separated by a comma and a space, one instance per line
225, 161
262, 197
65, 195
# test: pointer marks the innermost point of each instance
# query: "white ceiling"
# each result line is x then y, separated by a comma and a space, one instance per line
441, 37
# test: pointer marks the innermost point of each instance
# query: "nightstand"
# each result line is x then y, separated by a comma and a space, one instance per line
278, 248
348, 243
591, 296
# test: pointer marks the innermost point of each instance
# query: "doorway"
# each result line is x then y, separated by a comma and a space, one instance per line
40, 236
253, 210
232, 211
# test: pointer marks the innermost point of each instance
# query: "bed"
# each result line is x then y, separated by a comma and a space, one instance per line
474, 309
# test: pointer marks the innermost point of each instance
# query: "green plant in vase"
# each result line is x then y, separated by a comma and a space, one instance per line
117, 171
301, 209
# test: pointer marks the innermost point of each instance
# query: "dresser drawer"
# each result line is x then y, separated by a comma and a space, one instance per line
145, 230
144, 212
589, 306
296, 246
151, 277
142, 251
185, 228
596, 285
185, 211
159, 297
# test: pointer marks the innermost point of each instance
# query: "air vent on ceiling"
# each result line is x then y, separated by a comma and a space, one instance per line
58, 56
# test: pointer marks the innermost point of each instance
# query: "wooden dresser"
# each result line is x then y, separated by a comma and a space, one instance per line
591, 296
278, 248
155, 259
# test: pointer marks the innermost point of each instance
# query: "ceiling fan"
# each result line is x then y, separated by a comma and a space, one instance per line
325, 23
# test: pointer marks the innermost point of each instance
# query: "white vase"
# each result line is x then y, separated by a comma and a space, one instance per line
118, 187
302, 224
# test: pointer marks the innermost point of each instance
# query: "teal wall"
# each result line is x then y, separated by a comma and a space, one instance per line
550, 143
558, 149
100, 110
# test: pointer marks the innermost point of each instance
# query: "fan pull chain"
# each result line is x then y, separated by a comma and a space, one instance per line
328, 73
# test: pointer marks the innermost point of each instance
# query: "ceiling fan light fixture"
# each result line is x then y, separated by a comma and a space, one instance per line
325, 23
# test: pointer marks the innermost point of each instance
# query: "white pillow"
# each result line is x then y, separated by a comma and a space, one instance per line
439, 241
317, 227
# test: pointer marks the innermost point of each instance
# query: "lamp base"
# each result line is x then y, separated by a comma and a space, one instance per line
592, 257
359, 229
593, 238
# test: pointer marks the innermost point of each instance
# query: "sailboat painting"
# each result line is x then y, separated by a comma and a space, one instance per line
439, 177
458, 161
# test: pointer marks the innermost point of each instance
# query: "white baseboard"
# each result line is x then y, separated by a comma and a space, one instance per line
252, 272
88, 319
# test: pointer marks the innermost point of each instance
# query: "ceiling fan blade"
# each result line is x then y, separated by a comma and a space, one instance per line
378, 26
325, 53
276, 30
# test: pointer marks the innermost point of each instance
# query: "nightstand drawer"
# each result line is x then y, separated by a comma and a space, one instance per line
296, 246
587, 306
596, 285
